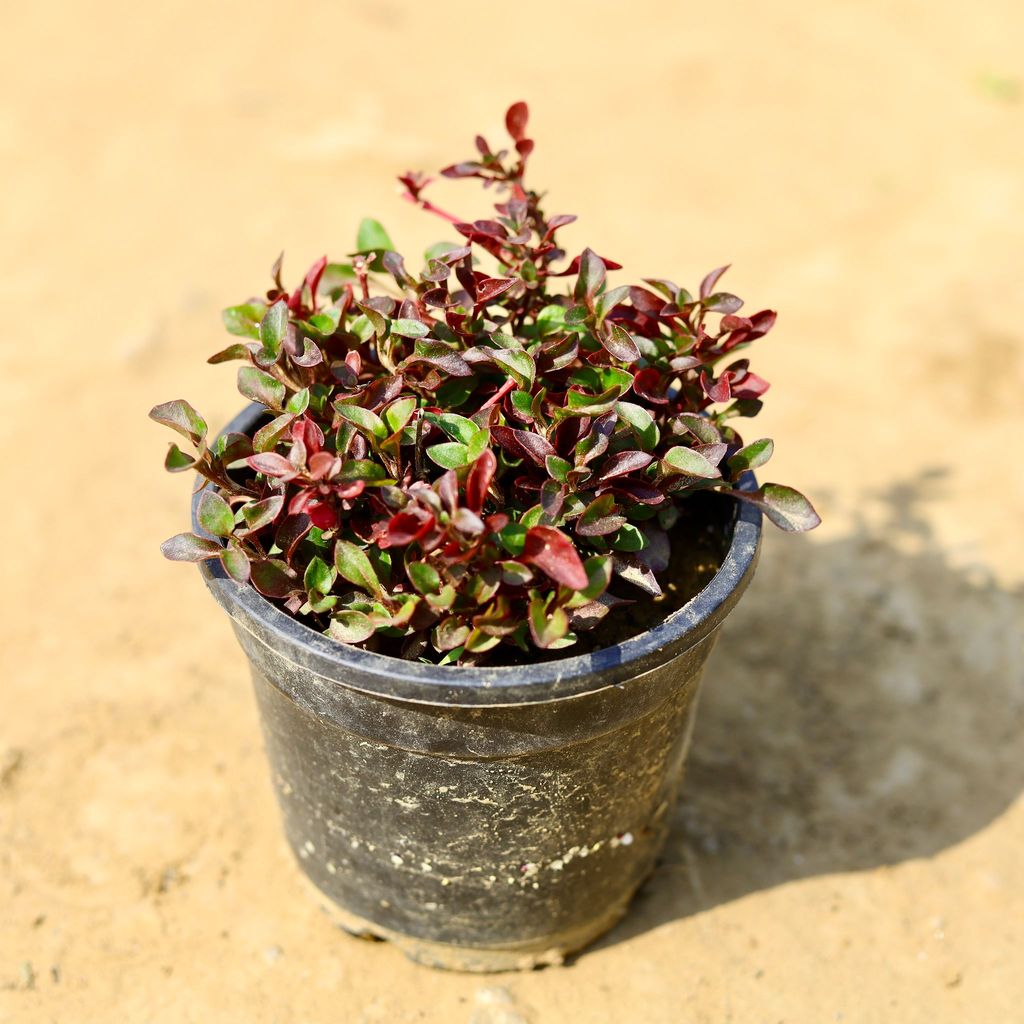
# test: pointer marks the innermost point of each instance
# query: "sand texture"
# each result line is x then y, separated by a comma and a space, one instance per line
849, 843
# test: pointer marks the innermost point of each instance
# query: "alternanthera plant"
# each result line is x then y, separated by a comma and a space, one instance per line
492, 450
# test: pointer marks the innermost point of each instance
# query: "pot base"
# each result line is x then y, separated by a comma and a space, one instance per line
546, 952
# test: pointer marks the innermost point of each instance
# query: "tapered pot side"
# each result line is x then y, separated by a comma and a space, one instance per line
482, 818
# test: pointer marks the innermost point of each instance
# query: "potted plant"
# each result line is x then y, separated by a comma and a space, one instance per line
476, 535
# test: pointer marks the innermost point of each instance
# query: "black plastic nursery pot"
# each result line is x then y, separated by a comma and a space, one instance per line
482, 819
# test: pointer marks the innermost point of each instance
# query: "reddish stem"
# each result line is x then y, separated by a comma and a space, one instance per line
426, 204
499, 394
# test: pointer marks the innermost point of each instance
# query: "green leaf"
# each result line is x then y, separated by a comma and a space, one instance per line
450, 658
260, 387
364, 419
755, 454
236, 563
187, 547
353, 565
409, 328
298, 403
450, 634
478, 444
576, 315
701, 427
319, 576
519, 366
326, 323
372, 236
532, 516
787, 508
272, 327
442, 600
398, 413
177, 461
214, 514
257, 514
454, 392
641, 422
424, 577
244, 321
608, 300
579, 403
351, 627
629, 538
362, 469
320, 604
438, 249
477, 642
458, 428
557, 467
547, 625
376, 319
450, 455
225, 355
362, 328
515, 574
335, 277
591, 275
513, 538
599, 379
180, 416
689, 463
522, 402
599, 575
551, 319
267, 438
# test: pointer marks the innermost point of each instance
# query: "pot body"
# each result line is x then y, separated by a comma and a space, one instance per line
482, 819
489, 837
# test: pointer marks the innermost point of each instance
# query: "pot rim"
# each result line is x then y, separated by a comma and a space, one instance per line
557, 679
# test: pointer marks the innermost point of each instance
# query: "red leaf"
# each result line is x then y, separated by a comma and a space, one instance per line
323, 515
707, 286
272, 464
301, 501
479, 480
515, 119
523, 444
649, 385
558, 221
574, 267
731, 322
273, 578
313, 276
405, 527
350, 490
496, 522
717, 390
624, 463
323, 464
763, 322
618, 343
491, 287
448, 490
551, 551
752, 386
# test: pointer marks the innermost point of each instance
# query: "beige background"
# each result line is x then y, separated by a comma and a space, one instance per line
849, 848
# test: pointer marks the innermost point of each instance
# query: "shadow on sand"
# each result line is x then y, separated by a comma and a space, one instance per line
865, 706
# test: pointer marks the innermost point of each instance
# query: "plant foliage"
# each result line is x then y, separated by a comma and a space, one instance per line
489, 451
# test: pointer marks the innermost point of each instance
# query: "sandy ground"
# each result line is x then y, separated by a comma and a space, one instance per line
849, 848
